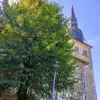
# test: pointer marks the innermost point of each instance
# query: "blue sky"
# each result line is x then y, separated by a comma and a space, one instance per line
88, 15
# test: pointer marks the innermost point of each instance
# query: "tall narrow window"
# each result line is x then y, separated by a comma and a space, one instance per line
84, 53
76, 49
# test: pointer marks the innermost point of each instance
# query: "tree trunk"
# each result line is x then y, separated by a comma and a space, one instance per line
22, 92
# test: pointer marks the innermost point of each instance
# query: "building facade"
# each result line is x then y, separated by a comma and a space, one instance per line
85, 88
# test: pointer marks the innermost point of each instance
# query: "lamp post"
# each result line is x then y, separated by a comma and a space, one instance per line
54, 81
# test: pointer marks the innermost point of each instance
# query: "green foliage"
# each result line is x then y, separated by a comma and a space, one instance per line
34, 36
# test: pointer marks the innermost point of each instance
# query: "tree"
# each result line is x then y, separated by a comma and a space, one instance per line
34, 36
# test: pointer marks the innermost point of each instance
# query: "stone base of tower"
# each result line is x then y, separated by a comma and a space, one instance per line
84, 89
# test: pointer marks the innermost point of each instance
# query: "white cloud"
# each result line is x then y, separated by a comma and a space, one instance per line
94, 41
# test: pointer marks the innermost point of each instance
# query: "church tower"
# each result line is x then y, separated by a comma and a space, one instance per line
85, 88
82, 55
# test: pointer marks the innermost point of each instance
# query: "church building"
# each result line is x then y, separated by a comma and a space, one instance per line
85, 88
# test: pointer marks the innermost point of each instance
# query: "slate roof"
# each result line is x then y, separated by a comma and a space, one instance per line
76, 32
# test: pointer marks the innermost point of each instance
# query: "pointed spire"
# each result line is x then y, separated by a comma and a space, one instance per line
73, 17
76, 32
